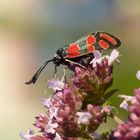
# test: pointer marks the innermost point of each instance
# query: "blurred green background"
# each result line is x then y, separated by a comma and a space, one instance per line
30, 33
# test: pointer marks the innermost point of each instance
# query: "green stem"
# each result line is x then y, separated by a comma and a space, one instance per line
115, 118
86, 136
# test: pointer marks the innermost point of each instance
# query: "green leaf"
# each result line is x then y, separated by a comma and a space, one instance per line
110, 93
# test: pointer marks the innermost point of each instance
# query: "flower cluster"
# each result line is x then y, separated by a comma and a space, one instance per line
130, 130
78, 106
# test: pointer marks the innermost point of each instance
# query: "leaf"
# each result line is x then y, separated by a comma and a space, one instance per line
108, 85
110, 93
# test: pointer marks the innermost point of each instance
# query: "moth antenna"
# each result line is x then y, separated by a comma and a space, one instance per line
36, 75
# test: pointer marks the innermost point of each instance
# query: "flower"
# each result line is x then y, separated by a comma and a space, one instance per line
47, 102
124, 104
98, 57
93, 82
84, 117
107, 109
130, 130
113, 57
76, 108
38, 138
56, 84
57, 137
98, 117
41, 121
50, 128
138, 75
53, 111
28, 135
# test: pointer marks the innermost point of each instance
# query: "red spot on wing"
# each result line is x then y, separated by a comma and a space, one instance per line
90, 48
109, 38
90, 39
103, 44
73, 50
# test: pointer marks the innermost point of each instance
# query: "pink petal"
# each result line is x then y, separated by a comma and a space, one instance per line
113, 57
138, 75
38, 138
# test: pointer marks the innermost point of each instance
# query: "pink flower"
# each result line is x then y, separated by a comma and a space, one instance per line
56, 84
28, 135
50, 128
107, 109
41, 121
113, 57
47, 102
38, 138
130, 130
53, 111
57, 137
76, 108
84, 117
98, 58
138, 75
124, 104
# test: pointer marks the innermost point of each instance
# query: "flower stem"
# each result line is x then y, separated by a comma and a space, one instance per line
116, 119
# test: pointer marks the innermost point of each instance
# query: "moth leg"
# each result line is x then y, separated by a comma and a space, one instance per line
64, 74
101, 52
75, 63
55, 71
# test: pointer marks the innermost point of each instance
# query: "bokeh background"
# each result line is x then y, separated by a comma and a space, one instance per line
30, 33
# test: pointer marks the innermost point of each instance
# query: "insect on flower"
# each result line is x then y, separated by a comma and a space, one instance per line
83, 47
